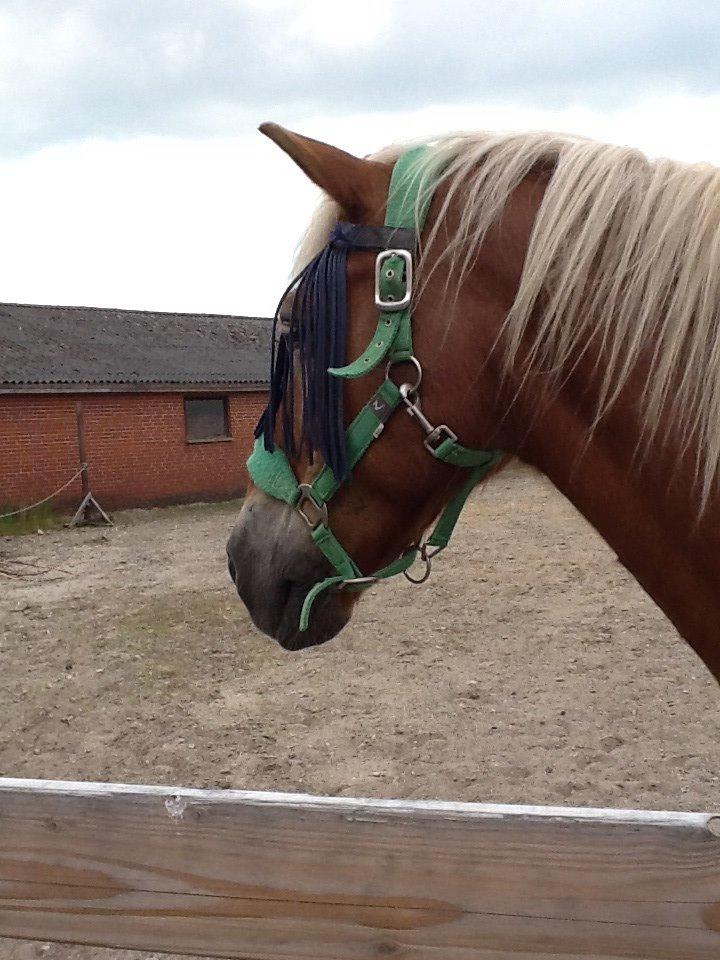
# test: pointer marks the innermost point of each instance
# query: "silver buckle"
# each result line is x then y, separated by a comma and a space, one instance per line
307, 496
393, 306
438, 436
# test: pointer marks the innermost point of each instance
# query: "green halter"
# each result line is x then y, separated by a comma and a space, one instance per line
392, 341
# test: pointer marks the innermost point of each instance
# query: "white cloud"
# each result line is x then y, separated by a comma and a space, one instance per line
340, 27
129, 68
210, 226
158, 224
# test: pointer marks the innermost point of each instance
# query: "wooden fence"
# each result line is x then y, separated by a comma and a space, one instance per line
286, 877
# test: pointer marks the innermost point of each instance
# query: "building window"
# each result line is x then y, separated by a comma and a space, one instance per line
206, 419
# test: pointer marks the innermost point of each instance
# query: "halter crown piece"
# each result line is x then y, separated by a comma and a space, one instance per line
321, 291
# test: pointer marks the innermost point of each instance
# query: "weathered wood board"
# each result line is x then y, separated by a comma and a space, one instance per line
286, 877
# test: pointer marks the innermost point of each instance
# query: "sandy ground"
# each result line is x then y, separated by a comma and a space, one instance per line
531, 668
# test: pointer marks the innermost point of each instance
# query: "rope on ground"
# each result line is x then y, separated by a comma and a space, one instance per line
73, 478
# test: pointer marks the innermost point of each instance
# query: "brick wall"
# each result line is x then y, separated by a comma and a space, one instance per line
135, 446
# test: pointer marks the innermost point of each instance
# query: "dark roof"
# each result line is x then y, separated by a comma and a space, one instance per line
82, 346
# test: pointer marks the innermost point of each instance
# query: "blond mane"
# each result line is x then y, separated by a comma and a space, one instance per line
623, 249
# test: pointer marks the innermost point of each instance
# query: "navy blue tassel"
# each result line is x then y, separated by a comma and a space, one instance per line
317, 336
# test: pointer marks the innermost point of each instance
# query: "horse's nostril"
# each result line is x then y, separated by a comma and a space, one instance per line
231, 570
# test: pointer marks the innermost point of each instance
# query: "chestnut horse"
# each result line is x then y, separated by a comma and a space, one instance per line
566, 311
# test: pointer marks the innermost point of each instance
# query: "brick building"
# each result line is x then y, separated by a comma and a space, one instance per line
161, 406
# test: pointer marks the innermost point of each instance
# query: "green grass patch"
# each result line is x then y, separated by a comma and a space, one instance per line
43, 517
175, 637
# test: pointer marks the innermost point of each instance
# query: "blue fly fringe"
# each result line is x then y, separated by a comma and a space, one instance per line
316, 340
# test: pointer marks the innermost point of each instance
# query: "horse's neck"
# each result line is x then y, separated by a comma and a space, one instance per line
644, 504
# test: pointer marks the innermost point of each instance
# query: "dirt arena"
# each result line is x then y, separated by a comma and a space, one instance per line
530, 668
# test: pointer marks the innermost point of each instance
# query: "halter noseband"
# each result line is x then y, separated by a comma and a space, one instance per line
269, 467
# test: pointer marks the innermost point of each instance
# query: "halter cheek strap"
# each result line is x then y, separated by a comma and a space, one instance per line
270, 470
405, 214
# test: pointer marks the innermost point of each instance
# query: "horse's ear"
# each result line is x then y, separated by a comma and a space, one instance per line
359, 186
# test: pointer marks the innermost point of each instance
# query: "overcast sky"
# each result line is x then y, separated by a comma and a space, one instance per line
131, 173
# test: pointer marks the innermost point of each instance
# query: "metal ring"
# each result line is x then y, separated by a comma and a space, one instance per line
426, 572
412, 388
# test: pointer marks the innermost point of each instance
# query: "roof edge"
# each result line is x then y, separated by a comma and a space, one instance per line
10, 389
161, 313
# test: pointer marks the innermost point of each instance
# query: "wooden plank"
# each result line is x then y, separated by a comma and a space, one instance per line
289, 877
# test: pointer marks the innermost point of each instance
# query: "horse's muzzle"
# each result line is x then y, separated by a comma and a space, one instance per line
273, 563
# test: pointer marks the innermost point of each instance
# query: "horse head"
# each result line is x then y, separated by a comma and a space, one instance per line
348, 347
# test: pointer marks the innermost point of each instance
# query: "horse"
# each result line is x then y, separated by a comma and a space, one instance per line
565, 312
